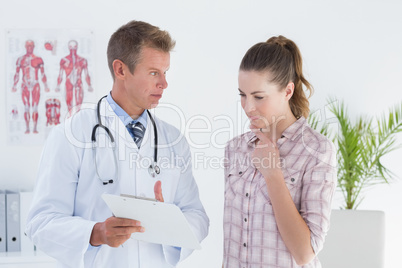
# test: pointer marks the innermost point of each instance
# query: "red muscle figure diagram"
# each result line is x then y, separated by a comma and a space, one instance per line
30, 65
52, 112
74, 66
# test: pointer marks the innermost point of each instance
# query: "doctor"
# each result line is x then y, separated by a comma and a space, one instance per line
68, 219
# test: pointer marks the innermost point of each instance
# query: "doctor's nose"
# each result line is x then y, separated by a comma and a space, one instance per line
162, 83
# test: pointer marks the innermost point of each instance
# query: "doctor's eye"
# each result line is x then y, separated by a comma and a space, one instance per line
242, 95
258, 98
153, 73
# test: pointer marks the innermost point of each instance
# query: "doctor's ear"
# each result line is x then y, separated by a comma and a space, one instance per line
119, 69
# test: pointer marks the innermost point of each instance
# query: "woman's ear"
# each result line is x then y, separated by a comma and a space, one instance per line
289, 90
118, 68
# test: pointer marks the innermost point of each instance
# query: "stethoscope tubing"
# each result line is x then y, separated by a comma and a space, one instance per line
153, 168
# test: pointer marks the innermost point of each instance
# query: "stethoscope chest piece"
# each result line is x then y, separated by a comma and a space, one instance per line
154, 170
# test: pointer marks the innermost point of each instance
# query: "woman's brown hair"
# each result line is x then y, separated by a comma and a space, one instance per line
281, 58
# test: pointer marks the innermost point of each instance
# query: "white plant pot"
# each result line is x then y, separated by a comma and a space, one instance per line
355, 239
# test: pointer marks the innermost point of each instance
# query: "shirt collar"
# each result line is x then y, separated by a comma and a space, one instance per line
292, 132
295, 129
123, 115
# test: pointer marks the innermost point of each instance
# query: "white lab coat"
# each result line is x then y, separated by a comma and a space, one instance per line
67, 197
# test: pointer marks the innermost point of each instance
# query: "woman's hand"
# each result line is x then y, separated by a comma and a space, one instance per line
266, 156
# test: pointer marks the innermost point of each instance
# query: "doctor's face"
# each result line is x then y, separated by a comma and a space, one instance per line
144, 88
263, 102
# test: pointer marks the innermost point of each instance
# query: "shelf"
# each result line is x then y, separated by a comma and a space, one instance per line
25, 258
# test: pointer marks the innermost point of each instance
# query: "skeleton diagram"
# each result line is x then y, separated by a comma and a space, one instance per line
30, 66
73, 65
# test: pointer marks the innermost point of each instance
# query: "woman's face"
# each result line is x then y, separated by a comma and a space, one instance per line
263, 102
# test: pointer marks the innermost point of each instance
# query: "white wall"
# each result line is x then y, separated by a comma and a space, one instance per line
352, 51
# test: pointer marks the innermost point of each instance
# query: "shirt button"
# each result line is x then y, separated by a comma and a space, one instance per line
240, 172
246, 194
245, 245
282, 137
245, 219
292, 179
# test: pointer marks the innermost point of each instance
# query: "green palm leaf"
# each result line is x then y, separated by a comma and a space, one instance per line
361, 146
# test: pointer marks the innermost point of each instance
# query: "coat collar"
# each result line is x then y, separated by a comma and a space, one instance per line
118, 128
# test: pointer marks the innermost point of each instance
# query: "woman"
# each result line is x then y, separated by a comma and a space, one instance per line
280, 176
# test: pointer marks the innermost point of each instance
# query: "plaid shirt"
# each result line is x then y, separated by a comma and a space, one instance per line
251, 236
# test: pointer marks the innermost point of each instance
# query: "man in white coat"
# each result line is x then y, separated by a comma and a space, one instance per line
68, 219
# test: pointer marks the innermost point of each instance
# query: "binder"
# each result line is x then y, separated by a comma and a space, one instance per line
3, 231
13, 221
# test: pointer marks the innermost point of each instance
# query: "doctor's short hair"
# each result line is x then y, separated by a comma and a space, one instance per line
281, 59
127, 42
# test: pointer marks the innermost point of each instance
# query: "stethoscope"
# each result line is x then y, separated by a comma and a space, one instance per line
153, 169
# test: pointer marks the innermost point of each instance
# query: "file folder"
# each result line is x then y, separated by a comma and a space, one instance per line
13, 221
3, 231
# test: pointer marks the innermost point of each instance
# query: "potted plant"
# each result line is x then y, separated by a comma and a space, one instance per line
356, 238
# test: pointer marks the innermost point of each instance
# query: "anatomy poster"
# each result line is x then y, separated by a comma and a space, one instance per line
49, 74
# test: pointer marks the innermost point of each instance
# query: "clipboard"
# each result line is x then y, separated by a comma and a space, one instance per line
164, 223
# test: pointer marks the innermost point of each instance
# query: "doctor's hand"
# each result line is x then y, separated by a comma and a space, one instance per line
114, 231
158, 191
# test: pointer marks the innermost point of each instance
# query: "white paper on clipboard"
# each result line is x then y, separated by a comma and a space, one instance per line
164, 223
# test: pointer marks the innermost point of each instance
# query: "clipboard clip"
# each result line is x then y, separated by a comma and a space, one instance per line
139, 197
